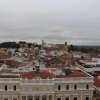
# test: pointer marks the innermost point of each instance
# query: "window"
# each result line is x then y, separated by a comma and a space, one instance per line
75, 87
59, 87
75, 98
14, 87
58, 98
6, 87
14, 99
87, 86
5, 99
67, 87
67, 98
86, 98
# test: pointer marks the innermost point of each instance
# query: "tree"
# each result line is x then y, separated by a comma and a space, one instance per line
9, 45
29, 45
73, 48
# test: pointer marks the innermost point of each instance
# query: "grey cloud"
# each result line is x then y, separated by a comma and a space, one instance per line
76, 22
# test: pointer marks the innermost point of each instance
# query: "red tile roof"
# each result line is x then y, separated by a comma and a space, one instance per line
9, 62
73, 62
96, 81
8, 76
45, 58
3, 56
63, 61
2, 71
75, 73
28, 59
53, 48
56, 66
78, 73
28, 75
45, 74
69, 56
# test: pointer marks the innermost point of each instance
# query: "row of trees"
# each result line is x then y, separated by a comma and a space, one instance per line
16, 45
9, 45
82, 49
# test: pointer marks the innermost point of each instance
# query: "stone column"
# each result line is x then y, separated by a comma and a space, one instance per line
81, 95
26, 97
40, 97
52, 97
33, 97
47, 97
20, 97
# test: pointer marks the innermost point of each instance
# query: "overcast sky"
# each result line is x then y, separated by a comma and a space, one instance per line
54, 21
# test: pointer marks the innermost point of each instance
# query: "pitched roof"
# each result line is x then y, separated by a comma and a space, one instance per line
28, 75
75, 73
3, 56
55, 66
78, 73
63, 61
45, 74
96, 81
9, 62
8, 76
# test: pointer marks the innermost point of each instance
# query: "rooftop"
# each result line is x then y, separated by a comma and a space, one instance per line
43, 74
74, 73
96, 81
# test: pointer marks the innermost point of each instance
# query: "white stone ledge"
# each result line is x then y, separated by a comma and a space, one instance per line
36, 84
79, 89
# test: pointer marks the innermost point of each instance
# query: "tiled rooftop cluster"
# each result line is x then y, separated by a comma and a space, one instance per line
53, 59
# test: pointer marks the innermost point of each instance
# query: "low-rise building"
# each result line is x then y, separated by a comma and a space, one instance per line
71, 84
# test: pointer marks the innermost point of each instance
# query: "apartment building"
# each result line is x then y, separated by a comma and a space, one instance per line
49, 84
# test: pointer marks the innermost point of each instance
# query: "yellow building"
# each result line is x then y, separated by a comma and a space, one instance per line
76, 85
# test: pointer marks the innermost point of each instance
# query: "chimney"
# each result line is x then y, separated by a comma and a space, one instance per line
65, 43
42, 41
37, 70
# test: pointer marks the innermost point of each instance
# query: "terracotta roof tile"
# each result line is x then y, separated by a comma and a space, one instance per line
9, 62
96, 81
53, 48
73, 62
74, 74
56, 66
45, 74
2, 71
63, 61
67, 56
28, 75
3, 56
8, 76
78, 73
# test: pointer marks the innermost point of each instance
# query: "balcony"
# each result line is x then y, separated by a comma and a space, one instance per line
9, 80
36, 81
73, 80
